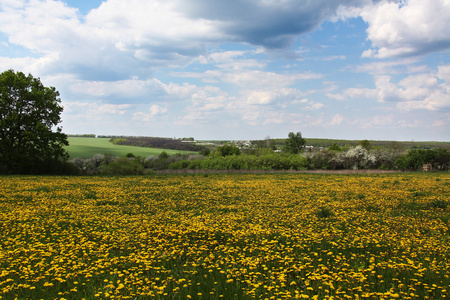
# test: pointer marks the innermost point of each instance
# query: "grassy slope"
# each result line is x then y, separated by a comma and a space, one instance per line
88, 147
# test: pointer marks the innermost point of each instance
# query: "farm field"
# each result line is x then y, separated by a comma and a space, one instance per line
82, 147
226, 236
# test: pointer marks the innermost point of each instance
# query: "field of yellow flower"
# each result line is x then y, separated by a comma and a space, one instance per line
226, 236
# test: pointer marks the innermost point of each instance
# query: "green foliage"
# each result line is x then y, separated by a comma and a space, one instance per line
324, 212
399, 146
324, 160
157, 142
119, 141
205, 151
28, 112
163, 155
272, 161
163, 162
123, 166
365, 144
227, 150
335, 147
294, 143
416, 158
439, 203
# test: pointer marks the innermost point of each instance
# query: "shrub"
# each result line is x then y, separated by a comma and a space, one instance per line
123, 166
227, 150
272, 161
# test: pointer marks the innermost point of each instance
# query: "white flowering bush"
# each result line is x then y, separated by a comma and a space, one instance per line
359, 158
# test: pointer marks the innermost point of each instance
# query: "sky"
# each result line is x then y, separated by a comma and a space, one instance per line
238, 69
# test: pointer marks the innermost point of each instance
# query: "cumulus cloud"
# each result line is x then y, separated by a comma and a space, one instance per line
272, 24
113, 41
119, 39
407, 28
94, 110
154, 112
429, 91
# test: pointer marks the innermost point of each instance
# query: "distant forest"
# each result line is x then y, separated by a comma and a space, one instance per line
157, 142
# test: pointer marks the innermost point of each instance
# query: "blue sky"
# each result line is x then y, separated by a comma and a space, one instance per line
239, 69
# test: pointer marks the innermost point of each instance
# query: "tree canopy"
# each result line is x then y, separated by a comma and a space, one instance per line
227, 150
295, 143
29, 112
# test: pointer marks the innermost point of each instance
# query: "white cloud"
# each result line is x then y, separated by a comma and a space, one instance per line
260, 97
314, 106
337, 120
304, 100
416, 27
389, 67
261, 79
435, 101
120, 39
429, 91
133, 88
94, 110
154, 112
354, 93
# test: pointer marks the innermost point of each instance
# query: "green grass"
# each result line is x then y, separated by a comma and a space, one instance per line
87, 147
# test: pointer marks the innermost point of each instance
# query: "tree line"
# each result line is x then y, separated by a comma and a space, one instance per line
157, 142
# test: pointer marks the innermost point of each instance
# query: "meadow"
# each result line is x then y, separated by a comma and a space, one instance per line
226, 236
82, 147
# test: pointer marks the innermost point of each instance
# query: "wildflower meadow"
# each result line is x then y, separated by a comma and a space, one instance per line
226, 236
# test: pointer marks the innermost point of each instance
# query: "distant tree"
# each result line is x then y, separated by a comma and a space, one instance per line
130, 155
28, 113
416, 158
396, 147
227, 150
205, 151
335, 147
442, 158
295, 143
163, 155
365, 144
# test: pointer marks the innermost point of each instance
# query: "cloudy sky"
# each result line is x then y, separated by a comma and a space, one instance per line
239, 69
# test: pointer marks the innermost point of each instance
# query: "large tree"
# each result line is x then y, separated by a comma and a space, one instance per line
295, 143
30, 142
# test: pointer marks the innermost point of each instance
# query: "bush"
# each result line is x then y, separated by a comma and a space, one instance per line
272, 161
123, 166
227, 150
